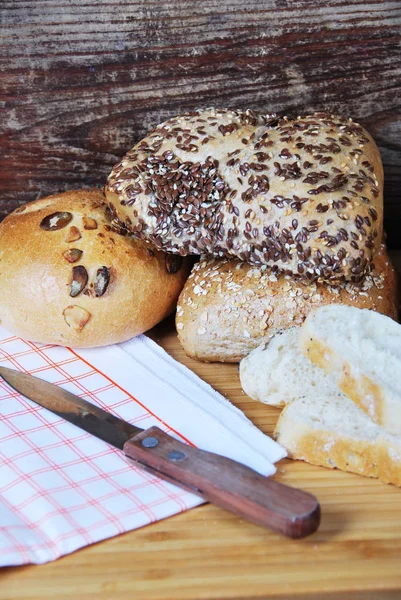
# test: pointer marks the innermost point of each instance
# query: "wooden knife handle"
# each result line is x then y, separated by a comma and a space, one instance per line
226, 483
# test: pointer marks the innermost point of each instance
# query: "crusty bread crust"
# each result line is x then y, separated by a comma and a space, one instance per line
45, 259
301, 195
227, 308
310, 445
378, 456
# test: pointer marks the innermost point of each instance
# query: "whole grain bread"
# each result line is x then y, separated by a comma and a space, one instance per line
361, 349
302, 195
68, 278
227, 308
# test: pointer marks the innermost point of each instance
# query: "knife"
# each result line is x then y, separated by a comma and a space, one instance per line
219, 480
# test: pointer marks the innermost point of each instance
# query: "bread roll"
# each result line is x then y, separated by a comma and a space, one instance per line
362, 351
67, 278
302, 195
227, 308
333, 432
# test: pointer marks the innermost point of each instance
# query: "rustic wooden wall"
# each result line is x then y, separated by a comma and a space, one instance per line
82, 80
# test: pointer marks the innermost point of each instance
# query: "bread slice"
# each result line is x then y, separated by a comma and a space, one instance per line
362, 350
333, 432
277, 372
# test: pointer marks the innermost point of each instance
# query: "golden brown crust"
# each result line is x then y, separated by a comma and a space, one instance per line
303, 195
69, 279
347, 455
379, 458
227, 308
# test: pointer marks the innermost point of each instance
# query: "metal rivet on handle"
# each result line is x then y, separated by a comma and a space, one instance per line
150, 442
176, 455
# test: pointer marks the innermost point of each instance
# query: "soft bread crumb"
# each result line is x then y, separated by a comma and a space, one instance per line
277, 372
361, 349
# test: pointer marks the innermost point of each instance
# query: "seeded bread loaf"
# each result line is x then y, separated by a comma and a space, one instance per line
277, 372
302, 195
67, 278
333, 432
227, 307
362, 351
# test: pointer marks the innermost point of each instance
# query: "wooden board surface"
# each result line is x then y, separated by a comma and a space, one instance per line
83, 80
207, 553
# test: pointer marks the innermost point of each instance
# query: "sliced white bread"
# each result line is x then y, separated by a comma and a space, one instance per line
361, 349
277, 372
333, 432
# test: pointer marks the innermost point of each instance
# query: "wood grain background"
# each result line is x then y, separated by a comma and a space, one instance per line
81, 81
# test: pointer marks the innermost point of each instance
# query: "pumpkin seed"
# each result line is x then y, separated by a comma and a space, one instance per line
76, 317
89, 223
173, 263
102, 281
72, 255
55, 221
79, 280
73, 235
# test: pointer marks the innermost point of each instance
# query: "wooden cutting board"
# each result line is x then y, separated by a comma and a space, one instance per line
208, 553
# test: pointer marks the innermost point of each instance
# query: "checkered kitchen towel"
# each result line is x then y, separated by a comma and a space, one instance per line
61, 488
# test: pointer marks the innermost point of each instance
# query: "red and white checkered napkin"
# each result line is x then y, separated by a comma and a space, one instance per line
61, 488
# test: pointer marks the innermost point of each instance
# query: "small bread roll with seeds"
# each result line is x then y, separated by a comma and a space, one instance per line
304, 195
227, 308
68, 278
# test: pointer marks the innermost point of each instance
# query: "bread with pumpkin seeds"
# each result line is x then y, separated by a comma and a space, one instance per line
68, 278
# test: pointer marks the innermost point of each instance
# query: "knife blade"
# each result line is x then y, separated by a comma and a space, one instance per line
219, 480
